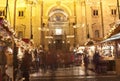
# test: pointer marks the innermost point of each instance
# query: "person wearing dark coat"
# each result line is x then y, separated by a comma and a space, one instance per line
96, 61
25, 65
86, 63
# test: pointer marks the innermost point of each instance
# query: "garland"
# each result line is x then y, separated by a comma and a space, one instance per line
5, 26
5, 32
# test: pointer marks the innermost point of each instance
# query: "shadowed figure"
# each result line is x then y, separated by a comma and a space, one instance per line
25, 65
86, 63
96, 61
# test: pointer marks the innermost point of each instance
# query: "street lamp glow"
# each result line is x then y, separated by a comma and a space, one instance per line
74, 26
68, 41
49, 42
83, 25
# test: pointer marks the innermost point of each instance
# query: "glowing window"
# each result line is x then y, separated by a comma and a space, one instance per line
58, 31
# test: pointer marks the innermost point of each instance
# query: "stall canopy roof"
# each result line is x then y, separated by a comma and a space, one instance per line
115, 30
114, 37
115, 34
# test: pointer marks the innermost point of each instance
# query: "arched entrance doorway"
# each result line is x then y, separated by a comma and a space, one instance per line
58, 23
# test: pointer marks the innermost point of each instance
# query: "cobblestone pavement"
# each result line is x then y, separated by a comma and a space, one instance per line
78, 78
72, 74
69, 74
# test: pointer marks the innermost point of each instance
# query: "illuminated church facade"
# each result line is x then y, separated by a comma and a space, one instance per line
58, 24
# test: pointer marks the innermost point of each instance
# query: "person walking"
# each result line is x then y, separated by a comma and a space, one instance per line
96, 61
25, 65
86, 63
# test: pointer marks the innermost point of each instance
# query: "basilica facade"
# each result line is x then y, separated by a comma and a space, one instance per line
60, 24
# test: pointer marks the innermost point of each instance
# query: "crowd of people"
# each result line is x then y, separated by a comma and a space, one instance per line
38, 58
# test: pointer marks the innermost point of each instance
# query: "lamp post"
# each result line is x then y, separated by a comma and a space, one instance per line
117, 60
87, 26
118, 8
31, 31
42, 25
6, 8
14, 20
31, 3
15, 49
74, 24
102, 23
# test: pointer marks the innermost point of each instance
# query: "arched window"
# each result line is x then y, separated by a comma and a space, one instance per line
97, 35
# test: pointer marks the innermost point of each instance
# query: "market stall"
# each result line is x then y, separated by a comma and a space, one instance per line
111, 51
116, 40
106, 50
6, 46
